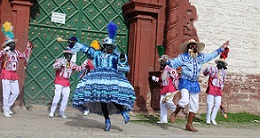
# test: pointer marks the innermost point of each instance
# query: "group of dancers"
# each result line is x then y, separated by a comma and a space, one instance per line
187, 83
104, 88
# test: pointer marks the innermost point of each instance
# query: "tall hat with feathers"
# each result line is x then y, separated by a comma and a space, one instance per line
160, 51
112, 30
7, 29
223, 56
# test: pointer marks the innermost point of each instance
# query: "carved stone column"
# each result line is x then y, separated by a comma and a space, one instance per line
179, 25
142, 19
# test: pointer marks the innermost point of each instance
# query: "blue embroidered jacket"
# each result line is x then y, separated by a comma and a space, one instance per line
104, 60
191, 66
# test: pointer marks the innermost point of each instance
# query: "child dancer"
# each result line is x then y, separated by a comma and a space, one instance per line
169, 79
217, 76
64, 68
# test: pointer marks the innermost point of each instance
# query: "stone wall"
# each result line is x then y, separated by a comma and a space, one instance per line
239, 22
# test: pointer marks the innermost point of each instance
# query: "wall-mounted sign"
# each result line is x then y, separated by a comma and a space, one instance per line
58, 17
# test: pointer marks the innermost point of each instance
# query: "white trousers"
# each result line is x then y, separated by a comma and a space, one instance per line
10, 93
212, 101
165, 106
189, 98
65, 91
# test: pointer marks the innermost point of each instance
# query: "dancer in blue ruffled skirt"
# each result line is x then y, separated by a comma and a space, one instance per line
105, 89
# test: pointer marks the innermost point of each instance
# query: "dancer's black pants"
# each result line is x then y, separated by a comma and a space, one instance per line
105, 110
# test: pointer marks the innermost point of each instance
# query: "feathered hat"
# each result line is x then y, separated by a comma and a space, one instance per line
160, 51
7, 29
223, 56
111, 28
184, 46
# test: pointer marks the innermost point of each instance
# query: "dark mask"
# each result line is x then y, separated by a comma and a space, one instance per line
68, 56
221, 65
72, 41
193, 47
108, 48
12, 46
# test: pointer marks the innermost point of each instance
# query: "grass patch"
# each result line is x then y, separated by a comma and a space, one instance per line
242, 118
234, 120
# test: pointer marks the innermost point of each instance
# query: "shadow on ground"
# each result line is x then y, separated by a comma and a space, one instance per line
81, 121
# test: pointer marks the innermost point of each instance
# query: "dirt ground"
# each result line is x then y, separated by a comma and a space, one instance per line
36, 124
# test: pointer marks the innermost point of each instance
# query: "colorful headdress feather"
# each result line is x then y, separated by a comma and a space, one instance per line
111, 28
223, 56
160, 50
7, 29
95, 44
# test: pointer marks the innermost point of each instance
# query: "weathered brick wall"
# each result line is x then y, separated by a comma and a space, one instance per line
239, 22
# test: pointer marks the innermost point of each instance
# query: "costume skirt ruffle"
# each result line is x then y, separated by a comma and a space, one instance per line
104, 85
191, 86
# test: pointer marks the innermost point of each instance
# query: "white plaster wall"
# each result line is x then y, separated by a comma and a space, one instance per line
234, 20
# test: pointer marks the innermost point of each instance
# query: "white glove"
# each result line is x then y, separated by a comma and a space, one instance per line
156, 79
7, 48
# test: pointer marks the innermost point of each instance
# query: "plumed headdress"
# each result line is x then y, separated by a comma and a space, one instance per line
7, 29
112, 30
160, 51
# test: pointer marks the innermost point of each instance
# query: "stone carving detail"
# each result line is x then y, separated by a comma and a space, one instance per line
179, 25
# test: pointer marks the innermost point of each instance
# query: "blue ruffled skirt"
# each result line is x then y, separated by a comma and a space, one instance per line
191, 86
104, 85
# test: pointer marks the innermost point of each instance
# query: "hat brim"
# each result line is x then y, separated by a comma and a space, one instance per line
68, 51
160, 59
108, 44
5, 43
184, 46
221, 60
